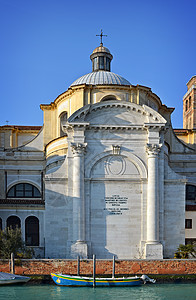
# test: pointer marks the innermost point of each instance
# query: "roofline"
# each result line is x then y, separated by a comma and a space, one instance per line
21, 127
194, 76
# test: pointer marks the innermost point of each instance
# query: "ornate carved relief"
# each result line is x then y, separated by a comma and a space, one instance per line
116, 149
153, 149
78, 149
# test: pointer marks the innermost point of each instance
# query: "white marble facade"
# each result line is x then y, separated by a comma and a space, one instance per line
116, 199
114, 184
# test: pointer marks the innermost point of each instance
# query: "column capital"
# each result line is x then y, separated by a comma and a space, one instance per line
153, 149
78, 149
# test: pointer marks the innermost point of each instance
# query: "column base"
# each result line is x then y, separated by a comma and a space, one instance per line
154, 251
79, 248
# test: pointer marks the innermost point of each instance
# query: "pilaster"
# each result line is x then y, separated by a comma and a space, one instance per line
79, 246
153, 247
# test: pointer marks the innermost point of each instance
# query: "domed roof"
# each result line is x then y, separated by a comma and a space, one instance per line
101, 77
101, 48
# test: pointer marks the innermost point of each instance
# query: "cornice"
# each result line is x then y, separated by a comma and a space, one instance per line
71, 90
50, 106
117, 127
18, 128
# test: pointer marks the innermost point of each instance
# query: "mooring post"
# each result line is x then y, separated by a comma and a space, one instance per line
113, 269
94, 270
78, 269
12, 264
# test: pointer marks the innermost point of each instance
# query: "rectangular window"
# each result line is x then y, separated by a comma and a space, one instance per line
190, 192
188, 223
101, 63
107, 64
95, 61
190, 242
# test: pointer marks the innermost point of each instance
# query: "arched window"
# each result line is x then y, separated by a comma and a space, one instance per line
23, 190
191, 193
186, 105
13, 222
0, 224
63, 119
32, 231
108, 98
189, 101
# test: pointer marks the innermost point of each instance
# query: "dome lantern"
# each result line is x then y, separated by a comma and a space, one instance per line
101, 74
101, 57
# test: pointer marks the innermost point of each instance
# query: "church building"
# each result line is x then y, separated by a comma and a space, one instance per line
106, 174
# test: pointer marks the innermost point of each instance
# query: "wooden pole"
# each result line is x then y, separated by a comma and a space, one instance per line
94, 270
78, 269
12, 264
113, 269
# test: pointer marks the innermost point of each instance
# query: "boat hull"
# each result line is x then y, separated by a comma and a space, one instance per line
7, 279
67, 280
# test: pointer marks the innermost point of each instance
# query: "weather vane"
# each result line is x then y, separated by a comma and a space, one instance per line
101, 36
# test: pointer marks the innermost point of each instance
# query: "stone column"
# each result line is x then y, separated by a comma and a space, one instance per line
79, 246
153, 246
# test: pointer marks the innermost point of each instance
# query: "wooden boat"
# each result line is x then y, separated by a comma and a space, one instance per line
69, 280
7, 278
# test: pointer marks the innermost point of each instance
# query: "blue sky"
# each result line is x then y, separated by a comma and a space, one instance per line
46, 44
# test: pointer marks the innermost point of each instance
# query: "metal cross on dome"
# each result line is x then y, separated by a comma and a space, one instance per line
101, 36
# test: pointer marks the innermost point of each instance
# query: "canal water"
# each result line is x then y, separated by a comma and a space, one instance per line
144, 292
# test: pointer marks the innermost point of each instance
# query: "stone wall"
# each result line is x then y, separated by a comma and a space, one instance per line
66, 266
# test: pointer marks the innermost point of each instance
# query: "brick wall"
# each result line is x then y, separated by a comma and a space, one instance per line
65, 266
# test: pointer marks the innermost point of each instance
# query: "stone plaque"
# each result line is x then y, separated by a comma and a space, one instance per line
116, 205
